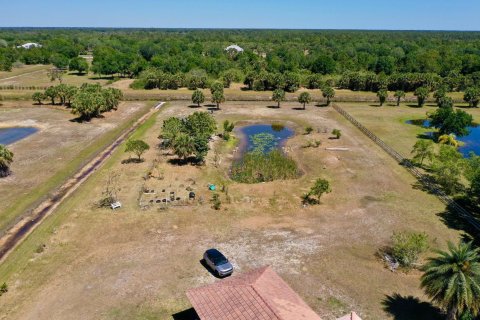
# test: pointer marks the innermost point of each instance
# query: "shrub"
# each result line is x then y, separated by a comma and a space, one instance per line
216, 202
308, 130
337, 133
407, 247
320, 187
3, 289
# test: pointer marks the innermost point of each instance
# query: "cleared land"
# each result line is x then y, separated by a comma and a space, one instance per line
60, 147
137, 264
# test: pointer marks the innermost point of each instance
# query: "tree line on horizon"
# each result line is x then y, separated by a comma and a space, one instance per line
273, 59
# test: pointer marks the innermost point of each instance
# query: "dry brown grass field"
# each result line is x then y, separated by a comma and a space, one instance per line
60, 147
137, 263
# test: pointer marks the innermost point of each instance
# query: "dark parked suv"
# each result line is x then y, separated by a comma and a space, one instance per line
218, 262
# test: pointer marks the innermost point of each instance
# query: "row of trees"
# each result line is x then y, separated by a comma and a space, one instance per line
88, 101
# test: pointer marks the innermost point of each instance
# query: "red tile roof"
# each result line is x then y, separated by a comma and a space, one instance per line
256, 295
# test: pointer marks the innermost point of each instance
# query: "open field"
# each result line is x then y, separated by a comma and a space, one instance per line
40, 78
60, 147
389, 123
137, 264
25, 69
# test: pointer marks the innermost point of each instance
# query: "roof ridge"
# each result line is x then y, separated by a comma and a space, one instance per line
266, 303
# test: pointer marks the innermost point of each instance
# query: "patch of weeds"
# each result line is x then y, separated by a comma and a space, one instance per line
3, 289
216, 202
40, 248
336, 304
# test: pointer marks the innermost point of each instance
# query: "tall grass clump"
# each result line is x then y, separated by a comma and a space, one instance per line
258, 167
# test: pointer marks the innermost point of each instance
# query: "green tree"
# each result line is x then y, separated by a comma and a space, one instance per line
399, 95
200, 124
184, 145
6, 159
87, 104
445, 102
137, 147
198, 97
448, 121
78, 64
422, 94
382, 95
217, 98
447, 168
304, 98
472, 174
452, 279
320, 187
328, 93
278, 96
440, 94
472, 96
227, 129
423, 149
51, 93
38, 97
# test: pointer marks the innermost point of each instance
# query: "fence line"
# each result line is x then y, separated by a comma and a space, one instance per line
425, 180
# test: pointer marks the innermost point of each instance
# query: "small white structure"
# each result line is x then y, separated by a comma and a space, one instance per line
116, 205
234, 47
30, 45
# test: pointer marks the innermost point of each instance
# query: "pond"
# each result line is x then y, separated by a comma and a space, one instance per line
471, 141
11, 135
263, 137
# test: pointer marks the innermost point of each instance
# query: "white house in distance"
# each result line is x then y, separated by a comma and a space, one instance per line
234, 47
30, 45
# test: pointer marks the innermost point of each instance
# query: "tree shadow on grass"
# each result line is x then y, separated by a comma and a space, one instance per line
273, 107
194, 106
298, 108
183, 162
132, 160
189, 314
454, 220
411, 105
321, 105
410, 308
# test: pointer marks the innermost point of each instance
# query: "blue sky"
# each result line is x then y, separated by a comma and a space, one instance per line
308, 14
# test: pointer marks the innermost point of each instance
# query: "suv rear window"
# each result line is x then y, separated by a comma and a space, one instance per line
216, 257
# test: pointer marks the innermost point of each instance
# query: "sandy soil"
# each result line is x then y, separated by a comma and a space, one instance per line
137, 264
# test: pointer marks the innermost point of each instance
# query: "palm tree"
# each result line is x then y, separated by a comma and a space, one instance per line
304, 98
6, 159
452, 279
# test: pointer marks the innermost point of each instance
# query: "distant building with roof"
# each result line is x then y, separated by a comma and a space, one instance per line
30, 45
234, 47
260, 294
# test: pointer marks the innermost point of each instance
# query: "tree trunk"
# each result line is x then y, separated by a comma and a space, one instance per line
452, 313
398, 102
278, 105
304, 106
328, 101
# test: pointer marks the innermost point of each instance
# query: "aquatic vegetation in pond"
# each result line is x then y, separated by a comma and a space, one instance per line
261, 160
258, 167
264, 137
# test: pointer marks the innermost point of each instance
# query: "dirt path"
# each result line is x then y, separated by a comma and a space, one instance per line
28, 223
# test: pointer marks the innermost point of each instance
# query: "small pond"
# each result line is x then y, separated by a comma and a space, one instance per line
471, 142
263, 137
11, 135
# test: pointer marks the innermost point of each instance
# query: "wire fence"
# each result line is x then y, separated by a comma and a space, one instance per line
424, 179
